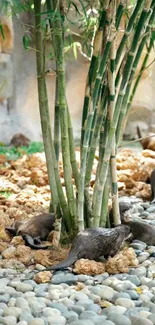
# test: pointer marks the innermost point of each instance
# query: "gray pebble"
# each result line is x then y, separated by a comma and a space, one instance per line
3, 305
151, 209
12, 311
134, 279
152, 318
124, 302
37, 307
107, 293
119, 319
22, 323
94, 307
67, 278
84, 303
142, 321
58, 306
71, 316
78, 309
145, 205
151, 284
26, 316
3, 283
9, 320
4, 298
83, 278
114, 309
23, 287
22, 303
51, 312
144, 214
106, 322
56, 320
138, 245
141, 271
37, 321
87, 315
12, 302
133, 294
82, 322
143, 257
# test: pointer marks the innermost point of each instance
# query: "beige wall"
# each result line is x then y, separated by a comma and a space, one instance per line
23, 115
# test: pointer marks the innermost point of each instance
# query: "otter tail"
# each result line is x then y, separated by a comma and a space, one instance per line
67, 262
30, 242
139, 132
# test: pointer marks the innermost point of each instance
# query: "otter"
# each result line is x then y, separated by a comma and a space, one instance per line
140, 230
123, 207
152, 182
34, 230
147, 142
93, 243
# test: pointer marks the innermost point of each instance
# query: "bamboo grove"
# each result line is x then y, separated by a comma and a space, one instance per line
110, 88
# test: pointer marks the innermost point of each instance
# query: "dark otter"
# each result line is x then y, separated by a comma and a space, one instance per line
152, 182
123, 207
146, 142
93, 243
140, 230
34, 230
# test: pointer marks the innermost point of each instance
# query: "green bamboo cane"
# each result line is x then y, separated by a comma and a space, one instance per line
59, 56
43, 105
119, 14
146, 31
141, 70
100, 182
72, 153
124, 39
111, 83
104, 209
93, 65
57, 123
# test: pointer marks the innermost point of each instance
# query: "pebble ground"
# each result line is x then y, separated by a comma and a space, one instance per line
128, 298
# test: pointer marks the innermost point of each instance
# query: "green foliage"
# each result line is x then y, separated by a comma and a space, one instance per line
13, 153
6, 194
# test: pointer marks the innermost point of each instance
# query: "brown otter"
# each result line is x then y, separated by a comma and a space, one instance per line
93, 243
34, 230
147, 142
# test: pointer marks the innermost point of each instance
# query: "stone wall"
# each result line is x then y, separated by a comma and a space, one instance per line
20, 112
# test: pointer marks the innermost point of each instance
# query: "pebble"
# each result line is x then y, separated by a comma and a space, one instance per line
127, 298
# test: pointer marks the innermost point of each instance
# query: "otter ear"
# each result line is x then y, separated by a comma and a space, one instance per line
12, 231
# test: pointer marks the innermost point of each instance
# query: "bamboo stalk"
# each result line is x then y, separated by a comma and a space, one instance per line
57, 123
59, 56
105, 198
111, 83
93, 65
100, 182
89, 118
125, 107
43, 106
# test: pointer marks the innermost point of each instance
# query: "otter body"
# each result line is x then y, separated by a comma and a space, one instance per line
95, 242
146, 142
143, 232
152, 182
34, 230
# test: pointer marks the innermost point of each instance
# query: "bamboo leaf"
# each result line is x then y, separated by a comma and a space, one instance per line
26, 41
2, 31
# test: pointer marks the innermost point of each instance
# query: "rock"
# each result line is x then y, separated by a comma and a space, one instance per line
115, 309
133, 294
12, 311
26, 316
119, 319
142, 321
43, 277
140, 271
4, 298
67, 278
19, 140
144, 214
4, 282
37, 321
22, 323
8, 320
151, 284
77, 309
70, 316
56, 320
124, 302
7, 253
17, 240
4, 236
151, 209
143, 256
82, 322
94, 307
79, 296
152, 318
51, 312
24, 287
107, 293
84, 266
22, 304
138, 245
121, 262
23, 254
